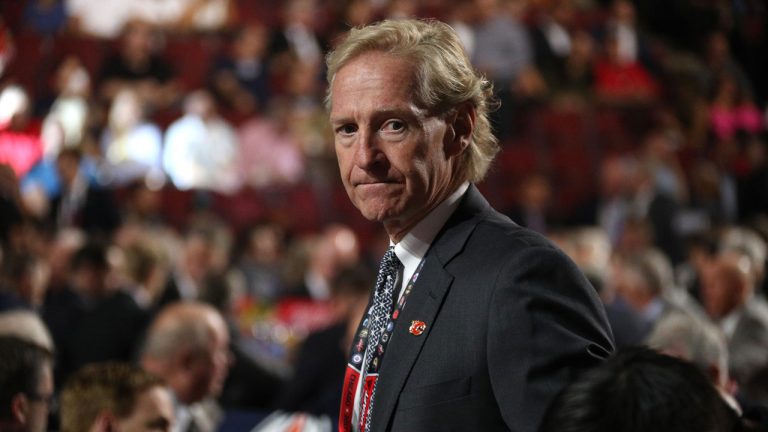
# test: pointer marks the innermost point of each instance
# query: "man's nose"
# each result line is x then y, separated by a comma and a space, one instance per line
367, 151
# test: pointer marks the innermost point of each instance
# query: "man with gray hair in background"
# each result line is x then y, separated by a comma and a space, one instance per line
475, 323
188, 346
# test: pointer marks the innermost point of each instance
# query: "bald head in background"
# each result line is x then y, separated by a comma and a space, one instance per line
188, 345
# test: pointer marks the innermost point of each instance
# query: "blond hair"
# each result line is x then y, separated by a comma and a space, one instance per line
444, 77
102, 387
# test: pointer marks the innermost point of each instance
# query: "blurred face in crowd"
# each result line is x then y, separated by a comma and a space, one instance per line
724, 288
137, 41
153, 412
208, 368
396, 159
251, 43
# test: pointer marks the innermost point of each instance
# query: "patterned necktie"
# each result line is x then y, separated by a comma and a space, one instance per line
382, 308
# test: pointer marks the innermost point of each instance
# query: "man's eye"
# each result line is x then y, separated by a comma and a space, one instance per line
347, 129
394, 126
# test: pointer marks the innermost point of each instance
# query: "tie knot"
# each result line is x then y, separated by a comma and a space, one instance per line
389, 261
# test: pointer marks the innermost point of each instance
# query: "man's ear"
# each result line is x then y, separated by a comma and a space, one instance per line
105, 422
19, 408
185, 358
461, 124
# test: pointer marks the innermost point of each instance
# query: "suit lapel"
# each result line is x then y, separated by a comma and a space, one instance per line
423, 304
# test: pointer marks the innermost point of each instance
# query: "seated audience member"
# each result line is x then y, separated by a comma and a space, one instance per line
719, 60
131, 145
240, 78
620, 80
145, 272
120, 397
22, 284
633, 43
333, 249
26, 385
201, 252
100, 321
188, 345
641, 390
729, 299
270, 148
65, 126
745, 242
699, 342
81, 203
590, 248
533, 208
571, 82
260, 261
318, 376
644, 281
201, 148
138, 65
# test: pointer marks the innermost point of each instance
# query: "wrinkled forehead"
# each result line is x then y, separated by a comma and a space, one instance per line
370, 73
375, 61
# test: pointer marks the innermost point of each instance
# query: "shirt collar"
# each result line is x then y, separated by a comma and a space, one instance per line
412, 248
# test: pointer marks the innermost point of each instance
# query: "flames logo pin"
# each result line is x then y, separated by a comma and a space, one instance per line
417, 327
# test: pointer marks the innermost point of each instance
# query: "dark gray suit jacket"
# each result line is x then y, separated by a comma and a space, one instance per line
510, 320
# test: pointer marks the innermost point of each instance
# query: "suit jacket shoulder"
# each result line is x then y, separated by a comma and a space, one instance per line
510, 320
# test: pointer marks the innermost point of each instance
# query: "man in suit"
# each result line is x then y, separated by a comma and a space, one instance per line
483, 321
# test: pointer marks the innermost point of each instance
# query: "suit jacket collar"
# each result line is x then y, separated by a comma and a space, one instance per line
424, 303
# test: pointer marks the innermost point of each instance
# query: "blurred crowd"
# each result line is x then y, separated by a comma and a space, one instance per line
166, 164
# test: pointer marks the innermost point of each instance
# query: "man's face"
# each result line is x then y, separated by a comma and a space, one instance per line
719, 292
210, 368
153, 412
394, 157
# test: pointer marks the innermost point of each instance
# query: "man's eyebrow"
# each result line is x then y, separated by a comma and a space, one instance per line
377, 114
158, 423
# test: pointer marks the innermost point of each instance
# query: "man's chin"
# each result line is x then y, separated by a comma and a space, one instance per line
375, 210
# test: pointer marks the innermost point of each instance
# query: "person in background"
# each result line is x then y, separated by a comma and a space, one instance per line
81, 203
101, 321
26, 385
201, 148
319, 367
188, 345
240, 79
728, 295
138, 65
131, 145
700, 342
106, 397
641, 390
